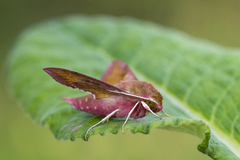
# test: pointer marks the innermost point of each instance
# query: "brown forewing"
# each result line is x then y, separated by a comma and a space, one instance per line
73, 79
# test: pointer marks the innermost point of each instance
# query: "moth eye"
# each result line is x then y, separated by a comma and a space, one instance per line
149, 102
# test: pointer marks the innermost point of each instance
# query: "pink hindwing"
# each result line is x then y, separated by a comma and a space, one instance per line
117, 94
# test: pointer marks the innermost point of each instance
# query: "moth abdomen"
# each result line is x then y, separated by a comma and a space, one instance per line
81, 103
91, 105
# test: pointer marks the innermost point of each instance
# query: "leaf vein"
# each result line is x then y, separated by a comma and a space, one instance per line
222, 96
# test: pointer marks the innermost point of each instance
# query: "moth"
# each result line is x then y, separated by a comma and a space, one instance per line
118, 93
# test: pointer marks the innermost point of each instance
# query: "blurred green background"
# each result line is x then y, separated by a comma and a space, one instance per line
21, 138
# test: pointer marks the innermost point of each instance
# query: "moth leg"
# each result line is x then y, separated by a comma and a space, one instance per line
103, 120
149, 109
129, 114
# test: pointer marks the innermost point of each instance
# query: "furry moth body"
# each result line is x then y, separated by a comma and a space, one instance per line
117, 94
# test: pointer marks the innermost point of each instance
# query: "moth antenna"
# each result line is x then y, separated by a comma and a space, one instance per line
166, 114
129, 114
103, 120
149, 109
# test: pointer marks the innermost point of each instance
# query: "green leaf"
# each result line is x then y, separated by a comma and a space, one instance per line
198, 80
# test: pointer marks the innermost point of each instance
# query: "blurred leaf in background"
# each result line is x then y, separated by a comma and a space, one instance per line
22, 139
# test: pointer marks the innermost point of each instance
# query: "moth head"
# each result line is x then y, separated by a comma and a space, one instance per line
154, 105
154, 100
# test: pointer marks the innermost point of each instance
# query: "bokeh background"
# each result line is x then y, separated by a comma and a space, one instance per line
21, 138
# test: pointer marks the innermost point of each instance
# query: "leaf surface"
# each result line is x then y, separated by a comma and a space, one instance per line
198, 80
